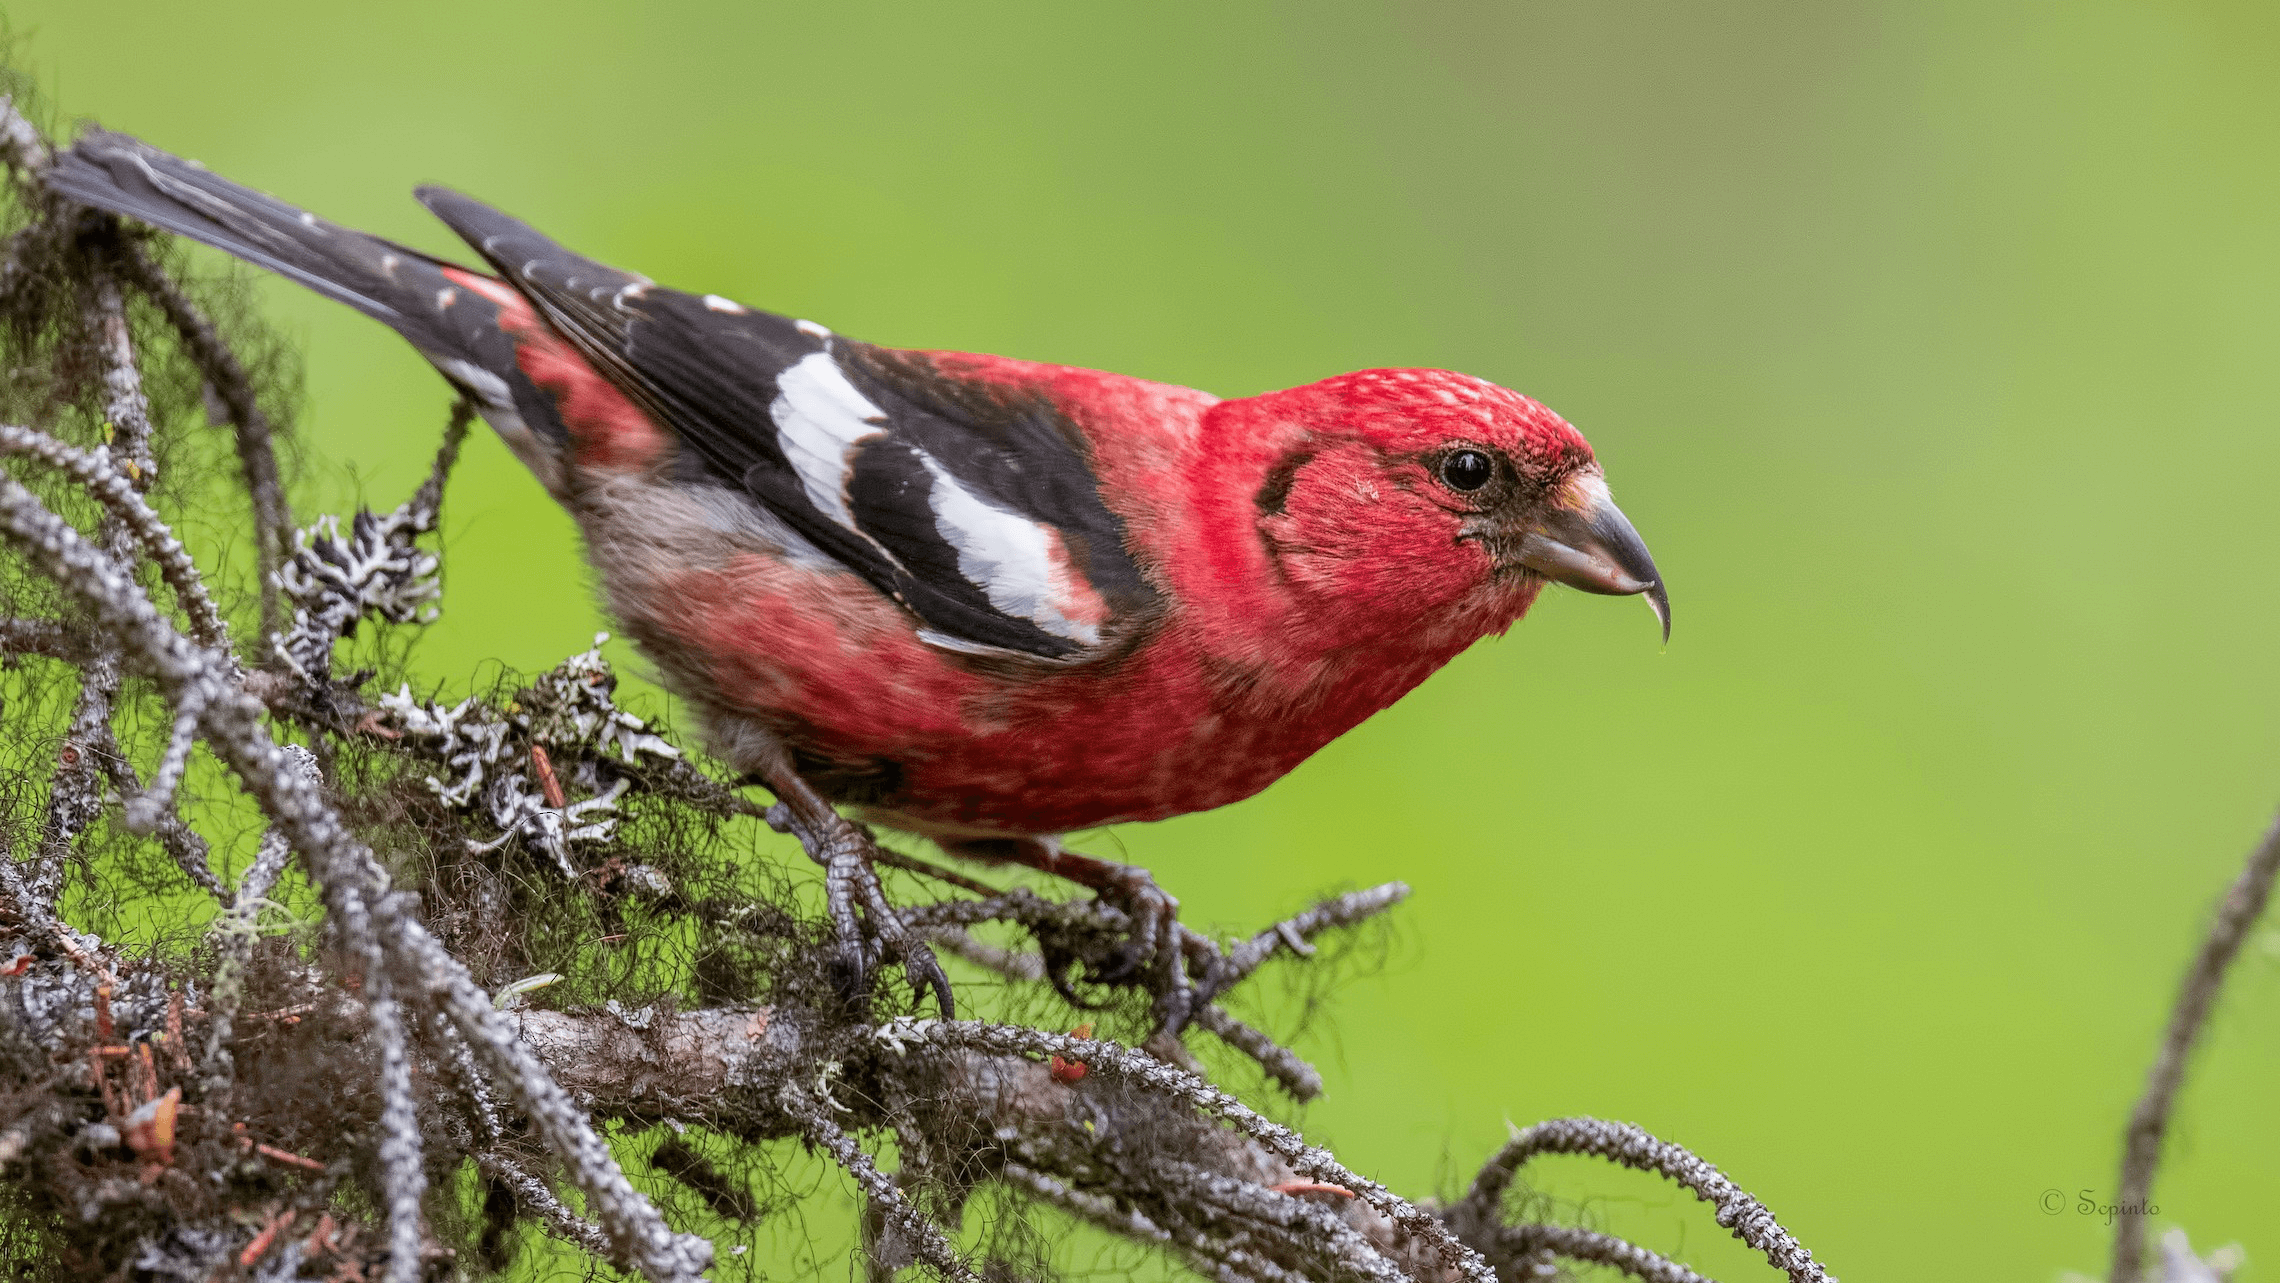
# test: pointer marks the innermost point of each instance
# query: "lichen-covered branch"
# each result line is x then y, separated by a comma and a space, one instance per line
1628, 1146
256, 438
233, 726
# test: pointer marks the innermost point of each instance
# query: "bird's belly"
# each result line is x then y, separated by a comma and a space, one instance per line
994, 757
777, 652
1082, 771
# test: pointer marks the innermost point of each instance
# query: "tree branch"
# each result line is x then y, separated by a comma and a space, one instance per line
1631, 1147
2149, 1121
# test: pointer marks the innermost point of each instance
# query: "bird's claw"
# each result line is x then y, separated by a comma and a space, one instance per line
866, 927
1157, 949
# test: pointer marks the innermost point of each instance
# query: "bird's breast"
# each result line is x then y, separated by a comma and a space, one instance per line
930, 742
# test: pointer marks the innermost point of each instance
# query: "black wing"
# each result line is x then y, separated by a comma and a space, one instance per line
974, 507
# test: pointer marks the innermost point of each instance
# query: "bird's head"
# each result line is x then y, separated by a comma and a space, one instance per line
1421, 493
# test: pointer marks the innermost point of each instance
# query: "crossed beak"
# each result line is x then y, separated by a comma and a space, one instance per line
1586, 542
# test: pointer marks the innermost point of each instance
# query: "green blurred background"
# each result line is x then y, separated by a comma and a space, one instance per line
1930, 345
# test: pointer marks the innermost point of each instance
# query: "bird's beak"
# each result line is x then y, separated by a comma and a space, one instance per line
1586, 542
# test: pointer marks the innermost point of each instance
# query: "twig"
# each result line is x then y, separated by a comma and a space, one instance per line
532, 1193
1285, 1066
23, 150
125, 407
256, 438
1336, 1244
236, 931
944, 922
1100, 1210
146, 810
927, 1238
1295, 932
1018, 906
262, 1242
428, 499
1228, 1263
637, 1234
2149, 1121
290, 1159
75, 794
1214, 1259
402, 1176
1629, 1146
190, 852
1307, 1160
925, 868
1011, 964
38, 913
459, 1058
118, 495
1521, 1246
49, 638
377, 569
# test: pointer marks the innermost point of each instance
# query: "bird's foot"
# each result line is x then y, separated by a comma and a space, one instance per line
1156, 953
867, 929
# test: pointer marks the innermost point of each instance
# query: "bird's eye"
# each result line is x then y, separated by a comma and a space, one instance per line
1467, 470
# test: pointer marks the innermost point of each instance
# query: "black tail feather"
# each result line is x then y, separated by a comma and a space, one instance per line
516, 249
456, 329
388, 282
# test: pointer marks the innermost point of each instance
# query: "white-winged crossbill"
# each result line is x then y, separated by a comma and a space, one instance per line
984, 600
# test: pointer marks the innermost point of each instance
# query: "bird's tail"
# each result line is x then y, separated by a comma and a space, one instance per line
124, 175
417, 295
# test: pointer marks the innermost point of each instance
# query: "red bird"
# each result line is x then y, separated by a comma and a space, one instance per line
983, 600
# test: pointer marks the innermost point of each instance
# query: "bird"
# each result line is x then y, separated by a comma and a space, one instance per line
981, 600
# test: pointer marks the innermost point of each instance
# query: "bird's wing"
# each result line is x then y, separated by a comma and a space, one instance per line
972, 505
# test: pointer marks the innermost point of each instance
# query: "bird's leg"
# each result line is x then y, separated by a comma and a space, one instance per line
1159, 943
868, 928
